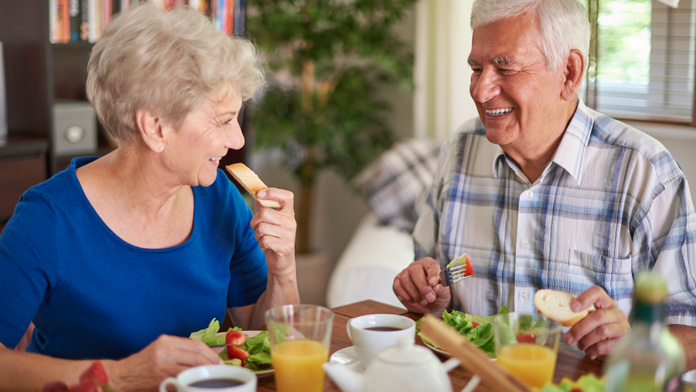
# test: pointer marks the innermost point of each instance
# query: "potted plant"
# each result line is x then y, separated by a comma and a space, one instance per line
326, 59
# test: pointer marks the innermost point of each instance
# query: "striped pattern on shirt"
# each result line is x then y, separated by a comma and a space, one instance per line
611, 202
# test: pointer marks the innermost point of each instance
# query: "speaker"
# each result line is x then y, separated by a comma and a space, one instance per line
74, 128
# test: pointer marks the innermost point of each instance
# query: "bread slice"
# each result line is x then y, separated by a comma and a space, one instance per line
251, 182
555, 305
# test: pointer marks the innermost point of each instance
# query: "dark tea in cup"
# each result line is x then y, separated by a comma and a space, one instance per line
217, 383
383, 329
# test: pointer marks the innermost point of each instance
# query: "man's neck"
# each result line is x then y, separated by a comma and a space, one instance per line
533, 160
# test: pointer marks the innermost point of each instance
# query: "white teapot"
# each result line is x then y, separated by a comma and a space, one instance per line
401, 368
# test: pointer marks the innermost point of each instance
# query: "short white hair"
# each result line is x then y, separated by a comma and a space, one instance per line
563, 24
167, 62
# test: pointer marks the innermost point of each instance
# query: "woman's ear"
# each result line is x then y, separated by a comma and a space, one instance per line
151, 130
573, 72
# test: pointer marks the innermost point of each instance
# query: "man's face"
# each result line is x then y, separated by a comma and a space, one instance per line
518, 99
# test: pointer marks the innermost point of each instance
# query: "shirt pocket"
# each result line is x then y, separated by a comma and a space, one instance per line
583, 270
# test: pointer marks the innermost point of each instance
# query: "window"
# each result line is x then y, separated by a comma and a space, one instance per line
642, 57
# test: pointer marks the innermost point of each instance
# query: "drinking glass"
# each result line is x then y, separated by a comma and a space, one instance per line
526, 345
300, 337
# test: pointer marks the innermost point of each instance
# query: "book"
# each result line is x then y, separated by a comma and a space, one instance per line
106, 12
84, 20
53, 20
94, 20
75, 20
59, 21
238, 19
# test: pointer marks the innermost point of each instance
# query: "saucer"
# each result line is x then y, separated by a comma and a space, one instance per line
348, 357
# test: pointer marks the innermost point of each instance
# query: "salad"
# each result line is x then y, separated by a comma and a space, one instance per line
478, 329
253, 353
586, 383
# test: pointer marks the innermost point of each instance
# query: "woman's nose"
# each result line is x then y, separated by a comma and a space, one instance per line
484, 86
234, 138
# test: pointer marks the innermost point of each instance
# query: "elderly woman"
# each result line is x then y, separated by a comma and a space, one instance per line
122, 257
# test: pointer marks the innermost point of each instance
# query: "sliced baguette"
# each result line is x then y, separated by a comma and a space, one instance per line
251, 182
555, 305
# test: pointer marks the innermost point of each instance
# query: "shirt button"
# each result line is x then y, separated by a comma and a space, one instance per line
530, 194
524, 295
525, 244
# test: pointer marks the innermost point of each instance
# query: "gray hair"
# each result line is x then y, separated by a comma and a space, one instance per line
563, 24
165, 62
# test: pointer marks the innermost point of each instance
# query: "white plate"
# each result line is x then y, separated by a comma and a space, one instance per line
443, 352
348, 357
436, 349
259, 373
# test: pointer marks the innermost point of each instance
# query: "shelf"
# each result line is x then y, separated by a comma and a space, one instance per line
22, 145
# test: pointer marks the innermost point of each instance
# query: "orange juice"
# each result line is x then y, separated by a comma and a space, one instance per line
297, 365
531, 363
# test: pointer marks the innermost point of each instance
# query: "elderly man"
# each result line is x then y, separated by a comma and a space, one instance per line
544, 192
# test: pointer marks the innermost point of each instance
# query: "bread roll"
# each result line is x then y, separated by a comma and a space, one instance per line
251, 182
555, 305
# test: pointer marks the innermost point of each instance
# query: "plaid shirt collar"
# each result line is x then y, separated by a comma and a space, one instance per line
571, 150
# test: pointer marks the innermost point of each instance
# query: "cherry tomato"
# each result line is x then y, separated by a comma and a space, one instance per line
526, 338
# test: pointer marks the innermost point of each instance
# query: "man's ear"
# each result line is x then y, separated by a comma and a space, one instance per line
151, 130
573, 73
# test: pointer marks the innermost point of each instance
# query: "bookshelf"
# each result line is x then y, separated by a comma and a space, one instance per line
39, 72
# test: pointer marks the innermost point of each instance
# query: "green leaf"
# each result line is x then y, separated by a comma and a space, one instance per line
208, 335
257, 344
233, 362
258, 361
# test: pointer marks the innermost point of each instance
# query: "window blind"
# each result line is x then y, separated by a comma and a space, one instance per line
642, 60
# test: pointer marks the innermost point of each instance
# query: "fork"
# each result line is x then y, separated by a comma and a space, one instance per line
456, 273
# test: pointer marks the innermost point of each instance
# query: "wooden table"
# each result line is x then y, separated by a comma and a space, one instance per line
571, 364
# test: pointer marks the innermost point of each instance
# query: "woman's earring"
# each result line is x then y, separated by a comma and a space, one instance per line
161, 148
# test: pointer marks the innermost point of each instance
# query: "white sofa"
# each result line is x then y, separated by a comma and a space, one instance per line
381, 245
368, 265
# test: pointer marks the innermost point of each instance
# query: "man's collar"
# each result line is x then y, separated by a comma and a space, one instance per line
571, 149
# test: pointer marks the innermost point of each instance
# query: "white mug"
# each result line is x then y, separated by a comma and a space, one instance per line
373, 332
222, 375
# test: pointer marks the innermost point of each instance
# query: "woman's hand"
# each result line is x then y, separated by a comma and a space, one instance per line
275, 231
165, 357
597, 333
418, 287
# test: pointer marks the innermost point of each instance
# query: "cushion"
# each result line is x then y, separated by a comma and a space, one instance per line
393, 182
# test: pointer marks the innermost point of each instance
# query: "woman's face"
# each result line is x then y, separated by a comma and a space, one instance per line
205, 137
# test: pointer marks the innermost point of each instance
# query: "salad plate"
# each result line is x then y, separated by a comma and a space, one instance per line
433, 347
437, 349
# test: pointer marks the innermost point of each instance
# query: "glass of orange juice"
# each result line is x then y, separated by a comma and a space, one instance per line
526, 345
300, 337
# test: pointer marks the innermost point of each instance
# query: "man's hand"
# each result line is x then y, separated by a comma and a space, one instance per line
418, 287
599, 331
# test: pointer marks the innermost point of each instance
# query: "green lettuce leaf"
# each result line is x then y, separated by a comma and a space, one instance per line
481, 335
258, 361
208, 335
590, 383
257, 344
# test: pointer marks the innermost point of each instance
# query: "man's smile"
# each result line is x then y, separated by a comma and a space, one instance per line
498, 112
